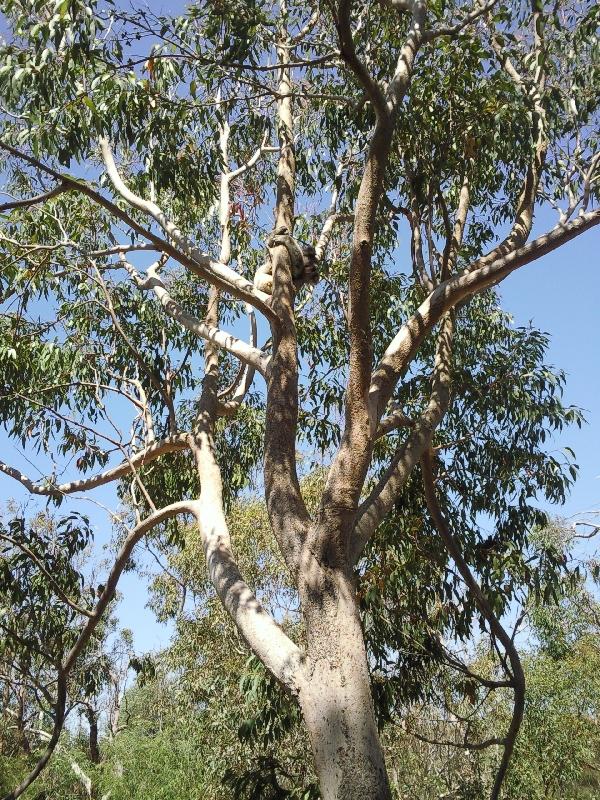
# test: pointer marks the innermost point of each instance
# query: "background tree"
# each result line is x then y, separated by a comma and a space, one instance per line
44, 597
449, 122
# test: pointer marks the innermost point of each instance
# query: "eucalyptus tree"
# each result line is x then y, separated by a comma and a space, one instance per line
130, 135
42, 599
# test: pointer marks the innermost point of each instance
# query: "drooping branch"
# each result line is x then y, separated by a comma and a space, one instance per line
47, 575
517, 677
189, 507
464, 745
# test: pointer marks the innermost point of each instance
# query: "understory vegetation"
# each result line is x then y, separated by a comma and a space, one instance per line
202, 720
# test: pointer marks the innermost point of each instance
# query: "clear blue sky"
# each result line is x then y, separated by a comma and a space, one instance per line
560, 294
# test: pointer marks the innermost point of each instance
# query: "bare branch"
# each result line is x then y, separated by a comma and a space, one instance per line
253, 160
31, 201
202, 261
304, 31
333, 217
171, 444
237, 347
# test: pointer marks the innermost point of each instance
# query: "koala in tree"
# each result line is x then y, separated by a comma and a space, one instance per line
303, 262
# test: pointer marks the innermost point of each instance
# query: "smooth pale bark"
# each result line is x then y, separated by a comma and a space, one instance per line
335, 690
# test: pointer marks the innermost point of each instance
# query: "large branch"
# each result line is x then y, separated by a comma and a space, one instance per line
237, 347
262, 634
218, 270
287, 512
172, 444
217, 274
474, 279
274, 648
349, 468
385, 493
415, 38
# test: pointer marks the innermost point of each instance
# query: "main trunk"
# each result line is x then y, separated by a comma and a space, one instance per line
336, 696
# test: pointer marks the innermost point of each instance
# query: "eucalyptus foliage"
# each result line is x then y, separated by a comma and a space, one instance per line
147, 156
